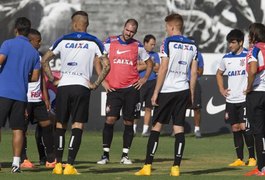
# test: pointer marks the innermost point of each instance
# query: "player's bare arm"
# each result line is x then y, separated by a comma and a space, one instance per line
102, 70
220, 82
48, 56
142, 81
252, 71
160, 79
193, 78
35, 75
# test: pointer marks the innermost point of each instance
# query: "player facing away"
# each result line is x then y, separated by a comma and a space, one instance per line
78, 51
122, 85
234, 63
256, 93
172, 91
18, 59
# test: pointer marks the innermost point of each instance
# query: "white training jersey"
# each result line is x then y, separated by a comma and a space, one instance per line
181, 51
34, 93
257, 54
235, 66
77, 52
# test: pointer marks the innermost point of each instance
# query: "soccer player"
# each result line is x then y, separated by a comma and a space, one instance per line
147, 89
37, 106
172, 91
122, 85
18, 59
255, 93
234, 63
78, 51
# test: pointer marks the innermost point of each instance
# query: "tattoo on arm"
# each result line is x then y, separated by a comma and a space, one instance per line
106, 68
45, 65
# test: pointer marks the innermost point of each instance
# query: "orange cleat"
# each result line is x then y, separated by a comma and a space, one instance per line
27, 164
253, 172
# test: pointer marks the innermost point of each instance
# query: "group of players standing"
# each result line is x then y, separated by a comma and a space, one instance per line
116, 62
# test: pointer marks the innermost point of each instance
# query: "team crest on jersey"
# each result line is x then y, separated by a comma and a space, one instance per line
79, 36
242, 62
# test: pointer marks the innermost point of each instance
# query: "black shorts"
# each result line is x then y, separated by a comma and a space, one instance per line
256, 111
72, 100
197, 104
235, 113
37, 111
171, 105
126, 99
146, 93
14, 111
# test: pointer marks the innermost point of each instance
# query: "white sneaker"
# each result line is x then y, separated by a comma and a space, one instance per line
125, 160
104, 160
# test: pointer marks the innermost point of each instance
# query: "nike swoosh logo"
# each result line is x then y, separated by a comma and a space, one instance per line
212, 109
122, 52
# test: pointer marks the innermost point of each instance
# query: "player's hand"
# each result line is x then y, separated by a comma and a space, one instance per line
56, 82
225, 92
92, 86
140, 83
247, 91
106, 86
47, 104
154, 99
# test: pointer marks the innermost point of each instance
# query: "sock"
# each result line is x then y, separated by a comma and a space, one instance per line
239, 144
249, 139
47, 136
59, 144
40, 146
179, 148
152, 146
260, 144
24, 148
107, 138
134, 128
16, 161
145, 128
196, 128
74, 145
127, 138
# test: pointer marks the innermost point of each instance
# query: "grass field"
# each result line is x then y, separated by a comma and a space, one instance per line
204, 158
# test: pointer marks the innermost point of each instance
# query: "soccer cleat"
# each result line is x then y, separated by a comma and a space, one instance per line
125, 160
198, 134
145, 171
252, 172
237, 162
27, 164
70, 170
50, 164
103, 160
174, 171
58, 169
251, 162
15, 169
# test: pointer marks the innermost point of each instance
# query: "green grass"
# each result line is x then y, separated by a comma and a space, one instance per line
204, 158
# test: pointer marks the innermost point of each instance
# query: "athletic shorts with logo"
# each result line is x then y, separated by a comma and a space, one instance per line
256, 111
72, 100
146, 93
171, 106
236, 113
125, 99
14, 111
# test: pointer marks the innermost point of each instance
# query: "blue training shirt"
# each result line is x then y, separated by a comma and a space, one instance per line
21, 59
155, 57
